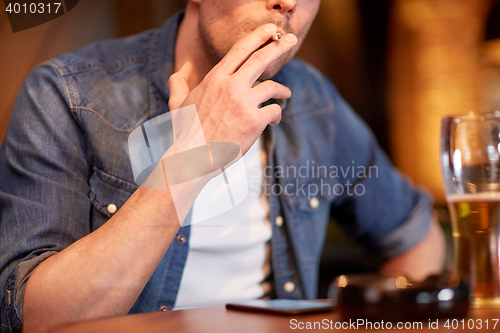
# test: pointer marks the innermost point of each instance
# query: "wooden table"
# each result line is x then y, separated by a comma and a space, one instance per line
218, 319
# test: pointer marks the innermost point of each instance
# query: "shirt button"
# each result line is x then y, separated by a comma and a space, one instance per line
181, 239
289, 287
112, 208
314, 202
163, 308
279, 220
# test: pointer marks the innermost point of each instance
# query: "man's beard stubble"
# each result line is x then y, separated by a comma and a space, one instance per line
215, 56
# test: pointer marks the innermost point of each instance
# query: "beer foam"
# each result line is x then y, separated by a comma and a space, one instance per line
473, 197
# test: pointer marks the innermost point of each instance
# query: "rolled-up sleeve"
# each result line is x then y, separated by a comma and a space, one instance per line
385, 213
44, 204
411, 232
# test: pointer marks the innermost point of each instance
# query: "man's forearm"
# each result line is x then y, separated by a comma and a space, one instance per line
424, 259
102, 274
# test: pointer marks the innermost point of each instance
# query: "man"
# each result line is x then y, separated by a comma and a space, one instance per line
68, 254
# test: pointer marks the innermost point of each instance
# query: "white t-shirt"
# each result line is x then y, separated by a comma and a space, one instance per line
229, 255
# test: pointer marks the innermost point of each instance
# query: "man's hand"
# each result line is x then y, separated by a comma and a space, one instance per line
227, 100
425, 259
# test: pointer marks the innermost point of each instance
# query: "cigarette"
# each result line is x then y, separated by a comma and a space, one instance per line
277, 36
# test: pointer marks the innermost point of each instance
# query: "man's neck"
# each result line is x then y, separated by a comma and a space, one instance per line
188, 47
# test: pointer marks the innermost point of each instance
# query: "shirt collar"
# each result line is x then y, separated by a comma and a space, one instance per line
163, 53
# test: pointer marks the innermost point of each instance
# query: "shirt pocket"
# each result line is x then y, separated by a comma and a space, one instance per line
312, 194
309, 202
108, 193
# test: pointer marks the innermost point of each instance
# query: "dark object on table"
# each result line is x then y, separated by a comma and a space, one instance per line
375, 297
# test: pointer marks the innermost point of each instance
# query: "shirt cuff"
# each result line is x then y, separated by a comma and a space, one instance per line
16, 285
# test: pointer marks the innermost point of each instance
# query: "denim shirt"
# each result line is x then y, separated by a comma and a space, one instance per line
65, 159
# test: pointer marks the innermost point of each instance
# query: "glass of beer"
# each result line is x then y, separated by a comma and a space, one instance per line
470, 162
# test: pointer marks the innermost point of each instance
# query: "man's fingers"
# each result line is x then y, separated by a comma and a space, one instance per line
267, 90
244, 48
178, 84
260, 60
271, 114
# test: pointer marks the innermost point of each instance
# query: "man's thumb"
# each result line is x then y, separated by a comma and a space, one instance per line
178, 84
